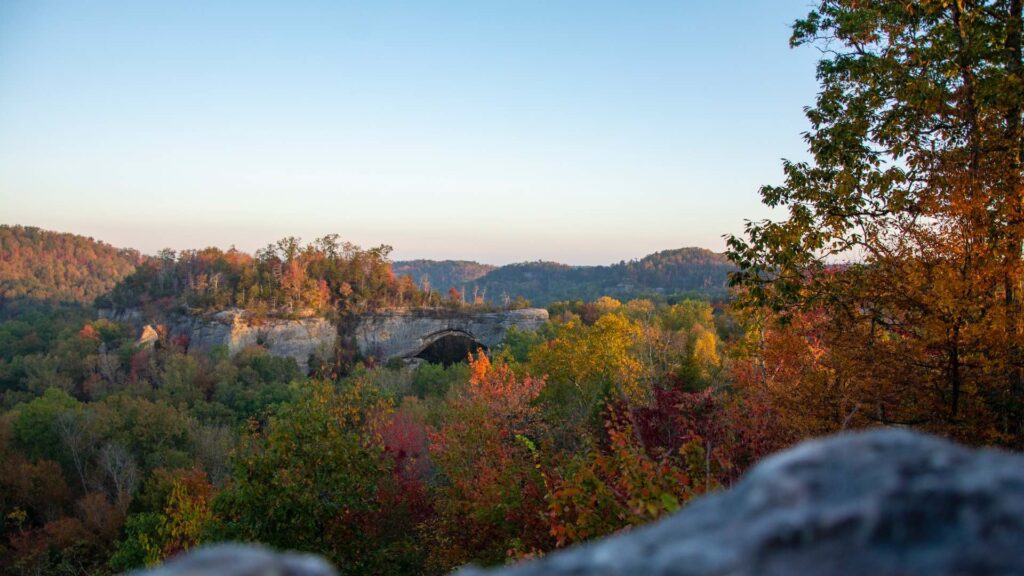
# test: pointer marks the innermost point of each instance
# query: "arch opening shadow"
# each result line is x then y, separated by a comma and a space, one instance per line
450, 349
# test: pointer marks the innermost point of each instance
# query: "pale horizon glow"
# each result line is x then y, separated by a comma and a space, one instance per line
506, 131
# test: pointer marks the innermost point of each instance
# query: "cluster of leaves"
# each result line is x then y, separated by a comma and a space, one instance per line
316, 477
603, 490
172, 514
489, 502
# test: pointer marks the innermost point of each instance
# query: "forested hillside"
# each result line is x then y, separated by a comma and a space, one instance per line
443, 274
57, 267
684, 271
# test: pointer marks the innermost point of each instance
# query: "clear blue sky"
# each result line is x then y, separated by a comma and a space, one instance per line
497, 130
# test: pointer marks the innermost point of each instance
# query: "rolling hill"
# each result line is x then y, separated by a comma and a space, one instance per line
692, 271
54, 267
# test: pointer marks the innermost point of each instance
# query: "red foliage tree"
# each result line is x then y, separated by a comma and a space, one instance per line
490, 505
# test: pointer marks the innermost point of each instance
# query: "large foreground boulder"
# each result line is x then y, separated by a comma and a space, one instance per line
884, 502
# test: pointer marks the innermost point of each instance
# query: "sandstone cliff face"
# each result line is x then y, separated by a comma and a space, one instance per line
404, 333
298, 339
886, 503
398, 333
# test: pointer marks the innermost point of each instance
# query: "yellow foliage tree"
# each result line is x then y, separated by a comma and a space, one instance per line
595, 358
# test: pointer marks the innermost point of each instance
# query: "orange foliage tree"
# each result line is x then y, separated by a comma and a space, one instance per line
489, 504
917, 186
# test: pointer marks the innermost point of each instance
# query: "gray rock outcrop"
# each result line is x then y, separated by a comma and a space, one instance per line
299, 339
395, 333
885, 502
403, 333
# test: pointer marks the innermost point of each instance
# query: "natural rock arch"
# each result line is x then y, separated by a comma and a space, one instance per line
406, 333
449, 346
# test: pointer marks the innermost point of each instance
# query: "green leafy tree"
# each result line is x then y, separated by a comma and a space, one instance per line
35, 424
312, 478
139, 547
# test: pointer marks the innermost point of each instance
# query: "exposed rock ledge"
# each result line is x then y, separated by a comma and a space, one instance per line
300, 339
386, 334
885, 502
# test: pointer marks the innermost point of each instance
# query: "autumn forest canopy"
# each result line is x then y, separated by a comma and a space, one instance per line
887, 293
